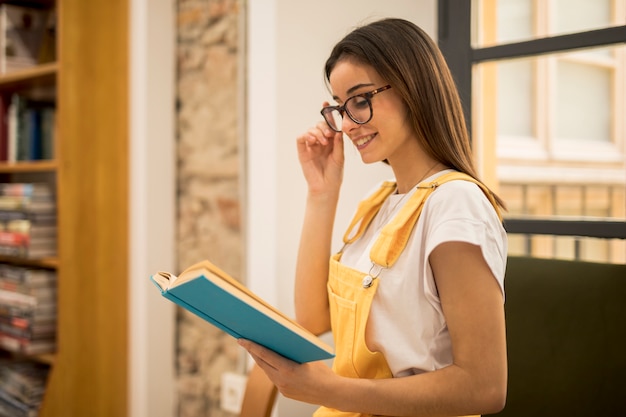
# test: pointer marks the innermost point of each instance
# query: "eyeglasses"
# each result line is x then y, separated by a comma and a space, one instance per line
358, 108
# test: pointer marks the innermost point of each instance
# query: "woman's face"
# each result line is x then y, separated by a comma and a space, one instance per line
388, 135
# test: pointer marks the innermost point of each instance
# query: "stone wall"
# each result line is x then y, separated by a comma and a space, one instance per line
209, 185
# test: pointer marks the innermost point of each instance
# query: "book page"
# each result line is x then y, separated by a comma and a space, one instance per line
164, 279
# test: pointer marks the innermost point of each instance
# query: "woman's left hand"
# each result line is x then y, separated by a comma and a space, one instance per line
307, 382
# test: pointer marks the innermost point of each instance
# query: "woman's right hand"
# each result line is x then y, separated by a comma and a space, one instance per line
320, 152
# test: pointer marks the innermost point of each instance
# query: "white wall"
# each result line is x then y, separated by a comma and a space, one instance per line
288, 43
152, 206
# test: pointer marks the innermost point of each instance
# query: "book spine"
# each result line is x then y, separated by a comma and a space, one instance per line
14, 239
48, 125
25, 346
29, 333
12, 123
17, 299
28, 322
26, 189
4, 129
23, 133
34, 134
37, 314
27, 276
40, 292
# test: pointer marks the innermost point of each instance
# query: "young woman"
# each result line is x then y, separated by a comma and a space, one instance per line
415, 297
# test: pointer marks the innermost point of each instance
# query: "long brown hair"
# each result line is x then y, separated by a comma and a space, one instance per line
408, 59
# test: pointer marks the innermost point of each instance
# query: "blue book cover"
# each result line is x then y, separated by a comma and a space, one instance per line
34, 134
211, 294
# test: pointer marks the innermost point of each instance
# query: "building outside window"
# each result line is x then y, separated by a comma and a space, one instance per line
549, 129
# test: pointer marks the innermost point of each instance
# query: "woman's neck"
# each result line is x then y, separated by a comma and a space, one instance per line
409, 179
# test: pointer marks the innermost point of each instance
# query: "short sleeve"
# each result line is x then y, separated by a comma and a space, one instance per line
459, 211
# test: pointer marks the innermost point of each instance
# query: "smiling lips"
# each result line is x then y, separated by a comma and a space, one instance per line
361, 142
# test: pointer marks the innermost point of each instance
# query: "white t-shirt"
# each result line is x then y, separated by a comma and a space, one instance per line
406, 320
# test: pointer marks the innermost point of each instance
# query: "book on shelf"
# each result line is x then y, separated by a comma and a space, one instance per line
24, 232
22, 238
27, 189
28, 309
27, 322
13, 107
34, 300
19, 299
27, 204
30, 126
37, 327
34, 133
28, 276
33, 332
26, 346
39, 237
28, 294
29, 252
11, 407
35, 218
23, 379
31, 315
22, 386
213, 295
4, 127
24, 33
29, 228
48, 129
40, 292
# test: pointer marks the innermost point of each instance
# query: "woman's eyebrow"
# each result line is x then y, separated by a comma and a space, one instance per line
354, 88
358, 86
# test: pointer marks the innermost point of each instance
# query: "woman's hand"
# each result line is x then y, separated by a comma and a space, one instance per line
320, 152
308, 382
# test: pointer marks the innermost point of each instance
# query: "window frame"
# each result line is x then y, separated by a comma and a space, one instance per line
455, 42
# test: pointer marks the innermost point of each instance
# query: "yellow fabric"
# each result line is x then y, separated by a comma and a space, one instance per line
349, 311
368, 209
350, 301
394, 236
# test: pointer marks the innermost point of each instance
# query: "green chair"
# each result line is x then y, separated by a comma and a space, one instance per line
566, 338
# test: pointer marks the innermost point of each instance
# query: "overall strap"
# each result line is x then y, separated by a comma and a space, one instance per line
367, 210
394, 236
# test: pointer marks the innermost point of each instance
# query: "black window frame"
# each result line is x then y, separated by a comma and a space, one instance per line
455, 42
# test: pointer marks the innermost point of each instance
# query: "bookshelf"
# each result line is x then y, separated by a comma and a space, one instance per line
43, 75
89, 370
28, 167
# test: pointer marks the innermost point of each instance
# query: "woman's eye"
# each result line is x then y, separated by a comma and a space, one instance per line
359, 103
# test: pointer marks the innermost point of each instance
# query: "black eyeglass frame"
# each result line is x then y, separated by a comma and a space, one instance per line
327, 111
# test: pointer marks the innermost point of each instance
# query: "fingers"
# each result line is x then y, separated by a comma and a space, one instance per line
263, 356
318, 134
268, 368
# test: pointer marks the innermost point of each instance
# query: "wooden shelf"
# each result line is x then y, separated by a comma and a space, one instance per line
28, 166
91, 366
47, 358
44, 3
43, 75
49, 263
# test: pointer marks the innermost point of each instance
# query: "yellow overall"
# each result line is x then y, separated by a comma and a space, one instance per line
351, 292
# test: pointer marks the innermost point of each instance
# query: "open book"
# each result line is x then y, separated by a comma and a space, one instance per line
213, 295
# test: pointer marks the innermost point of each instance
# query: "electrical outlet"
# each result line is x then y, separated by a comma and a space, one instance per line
233, 389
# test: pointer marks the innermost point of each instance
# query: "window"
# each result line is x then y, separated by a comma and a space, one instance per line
546, 83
